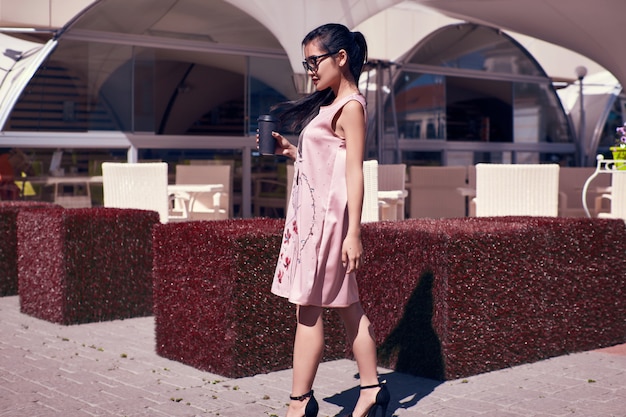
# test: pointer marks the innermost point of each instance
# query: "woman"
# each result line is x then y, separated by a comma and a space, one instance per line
321, 249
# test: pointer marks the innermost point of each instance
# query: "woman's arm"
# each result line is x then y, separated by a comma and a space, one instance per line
351, 125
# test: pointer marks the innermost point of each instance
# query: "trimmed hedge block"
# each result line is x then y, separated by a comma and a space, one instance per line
8, 241
447, 298
505, 291
85, 265
212, 303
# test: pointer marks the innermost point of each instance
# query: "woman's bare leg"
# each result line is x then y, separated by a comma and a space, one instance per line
307, 354
361, 338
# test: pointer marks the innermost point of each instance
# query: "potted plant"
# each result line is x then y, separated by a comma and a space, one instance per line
619, 149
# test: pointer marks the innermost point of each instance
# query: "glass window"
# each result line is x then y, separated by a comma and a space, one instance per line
479, 110
80, 87
465, 109
477, 48
614, 120
538, 115
270, 83
469, 86
420, 106
96, 86
201, 94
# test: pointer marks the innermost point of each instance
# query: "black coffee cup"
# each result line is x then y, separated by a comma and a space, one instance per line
267, 125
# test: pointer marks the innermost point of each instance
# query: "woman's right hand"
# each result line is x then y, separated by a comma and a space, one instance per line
283, 146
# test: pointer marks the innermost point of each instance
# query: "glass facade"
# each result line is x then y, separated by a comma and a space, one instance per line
615, 118
94, 86
482, 97
80, 87
420, 106
170, 81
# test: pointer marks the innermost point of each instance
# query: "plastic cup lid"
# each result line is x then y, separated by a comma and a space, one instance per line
267, 118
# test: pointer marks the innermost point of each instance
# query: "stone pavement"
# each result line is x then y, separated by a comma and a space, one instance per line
111, 369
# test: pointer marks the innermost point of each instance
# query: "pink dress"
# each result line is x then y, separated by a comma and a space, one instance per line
309, 270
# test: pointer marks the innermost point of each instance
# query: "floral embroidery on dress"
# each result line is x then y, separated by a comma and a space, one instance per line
293, 245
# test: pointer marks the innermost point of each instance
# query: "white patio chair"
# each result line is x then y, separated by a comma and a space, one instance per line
370, 212
517, 190
391, 191
434, 191
571, 182
614, 193
207, 206
617, 196
233, 198
136, 186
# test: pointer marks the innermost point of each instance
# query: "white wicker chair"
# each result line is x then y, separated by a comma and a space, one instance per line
517, 190
137, 186
370, 194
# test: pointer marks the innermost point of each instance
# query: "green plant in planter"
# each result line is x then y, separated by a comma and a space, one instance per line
619, 149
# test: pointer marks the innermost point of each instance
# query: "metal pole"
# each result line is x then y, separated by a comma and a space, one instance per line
246, 181
394, 115
132, 156
380, 117
580, 73
583, 147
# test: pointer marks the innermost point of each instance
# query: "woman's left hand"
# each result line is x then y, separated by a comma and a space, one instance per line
351, 253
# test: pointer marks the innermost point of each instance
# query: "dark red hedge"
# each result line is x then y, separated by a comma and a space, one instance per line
448, 298
85, 265
498, 292
212, 303
8, 241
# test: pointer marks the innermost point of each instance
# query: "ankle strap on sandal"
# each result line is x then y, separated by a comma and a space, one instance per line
302, 397
374, 386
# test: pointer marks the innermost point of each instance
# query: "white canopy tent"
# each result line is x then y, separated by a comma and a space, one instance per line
18, 62
591, 28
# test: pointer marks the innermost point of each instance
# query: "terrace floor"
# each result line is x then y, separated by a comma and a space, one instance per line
111, 369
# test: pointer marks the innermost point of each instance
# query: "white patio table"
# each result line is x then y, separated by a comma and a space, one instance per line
186, 195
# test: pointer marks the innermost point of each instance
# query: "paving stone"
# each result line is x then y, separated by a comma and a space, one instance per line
111, 369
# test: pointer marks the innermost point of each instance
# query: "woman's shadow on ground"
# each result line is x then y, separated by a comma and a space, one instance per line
414, 348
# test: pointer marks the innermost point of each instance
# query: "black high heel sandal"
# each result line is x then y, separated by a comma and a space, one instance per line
382, 400
311, 408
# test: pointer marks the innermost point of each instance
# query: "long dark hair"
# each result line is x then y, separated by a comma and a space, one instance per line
331, 37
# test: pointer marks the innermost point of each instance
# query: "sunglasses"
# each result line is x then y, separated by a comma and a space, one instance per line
312, 63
